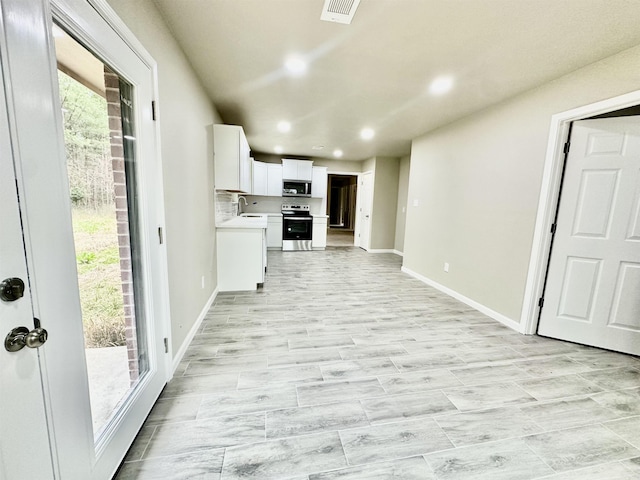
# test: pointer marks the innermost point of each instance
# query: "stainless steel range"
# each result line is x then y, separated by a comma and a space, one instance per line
297, 226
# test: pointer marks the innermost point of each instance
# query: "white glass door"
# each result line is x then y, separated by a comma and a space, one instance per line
91, 204
24, 439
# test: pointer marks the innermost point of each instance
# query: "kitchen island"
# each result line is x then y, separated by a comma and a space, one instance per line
242, 253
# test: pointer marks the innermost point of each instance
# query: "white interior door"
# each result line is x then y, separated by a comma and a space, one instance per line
365, 210
82, 449
591, 296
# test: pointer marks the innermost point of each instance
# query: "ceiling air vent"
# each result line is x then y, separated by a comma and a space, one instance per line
340, 11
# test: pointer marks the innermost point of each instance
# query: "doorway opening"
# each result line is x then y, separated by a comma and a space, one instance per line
622, 106
594, 262
341, 208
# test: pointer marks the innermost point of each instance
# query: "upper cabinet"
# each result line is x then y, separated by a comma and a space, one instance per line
297, 169
319, 182
274, 180
231, 159
267, 179
259, 178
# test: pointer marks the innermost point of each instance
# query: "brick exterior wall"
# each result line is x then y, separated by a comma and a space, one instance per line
111, 82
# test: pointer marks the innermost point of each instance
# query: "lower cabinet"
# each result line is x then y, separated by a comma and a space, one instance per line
319, 233
274, 232
241, 258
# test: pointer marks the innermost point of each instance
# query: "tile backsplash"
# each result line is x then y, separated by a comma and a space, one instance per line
226, 206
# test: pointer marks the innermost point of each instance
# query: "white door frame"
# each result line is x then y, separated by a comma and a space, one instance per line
60, 9
356, 226
77, 435
69, 13
548, 201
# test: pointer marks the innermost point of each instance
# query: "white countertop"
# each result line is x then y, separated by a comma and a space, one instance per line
268, 214
254, 221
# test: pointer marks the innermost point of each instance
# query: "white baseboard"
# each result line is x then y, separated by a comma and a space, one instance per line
384, 250
466, 300
192, 333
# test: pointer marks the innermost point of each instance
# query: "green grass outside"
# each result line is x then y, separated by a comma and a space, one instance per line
98, 261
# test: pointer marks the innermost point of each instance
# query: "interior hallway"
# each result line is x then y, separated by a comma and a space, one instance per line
339, 237
344, 367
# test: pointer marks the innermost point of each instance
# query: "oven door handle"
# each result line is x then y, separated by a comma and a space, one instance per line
304, 219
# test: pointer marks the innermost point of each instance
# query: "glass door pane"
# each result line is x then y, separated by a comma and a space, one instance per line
100, 144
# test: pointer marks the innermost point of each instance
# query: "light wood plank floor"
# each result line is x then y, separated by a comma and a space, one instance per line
343, 367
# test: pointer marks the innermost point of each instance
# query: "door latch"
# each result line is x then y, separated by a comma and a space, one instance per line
11, 289
21, 337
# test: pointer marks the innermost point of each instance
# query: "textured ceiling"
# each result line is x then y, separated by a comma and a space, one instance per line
376, 71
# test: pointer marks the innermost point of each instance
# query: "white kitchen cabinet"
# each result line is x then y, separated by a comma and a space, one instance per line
319, 182
260, 177
231, 159
274, 232
241, 258
319, 233
297, 169
274, 180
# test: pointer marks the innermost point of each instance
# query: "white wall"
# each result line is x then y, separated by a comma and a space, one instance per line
185, 112
334, 165
385, 201
477, 182
338, 166
385, 171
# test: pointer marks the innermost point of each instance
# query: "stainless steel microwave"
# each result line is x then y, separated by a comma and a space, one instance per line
296, 188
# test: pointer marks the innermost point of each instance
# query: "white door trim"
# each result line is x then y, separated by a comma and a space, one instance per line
359, 202
356, 225
548, 201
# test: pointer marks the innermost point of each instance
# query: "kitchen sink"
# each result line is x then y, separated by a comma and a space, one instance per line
250, 215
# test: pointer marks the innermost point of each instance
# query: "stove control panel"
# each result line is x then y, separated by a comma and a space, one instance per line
298, 208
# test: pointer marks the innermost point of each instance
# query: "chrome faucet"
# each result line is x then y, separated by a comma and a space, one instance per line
240, 205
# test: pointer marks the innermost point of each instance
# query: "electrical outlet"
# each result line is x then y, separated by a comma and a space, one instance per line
446, 267
415, 202
404, 209
202, 282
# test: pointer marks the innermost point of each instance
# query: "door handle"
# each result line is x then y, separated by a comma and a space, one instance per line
21, 337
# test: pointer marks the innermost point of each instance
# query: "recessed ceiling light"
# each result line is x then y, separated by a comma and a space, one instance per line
441, 85
367, 133
296, 65
278, 149
337, 153
284, 126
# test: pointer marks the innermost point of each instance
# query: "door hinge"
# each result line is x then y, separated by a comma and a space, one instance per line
567, 146
166, 345
541, 302
153, 110
553, 227
160, 236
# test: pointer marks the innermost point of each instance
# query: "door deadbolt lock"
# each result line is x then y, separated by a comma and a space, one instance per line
11, 289
21, 337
